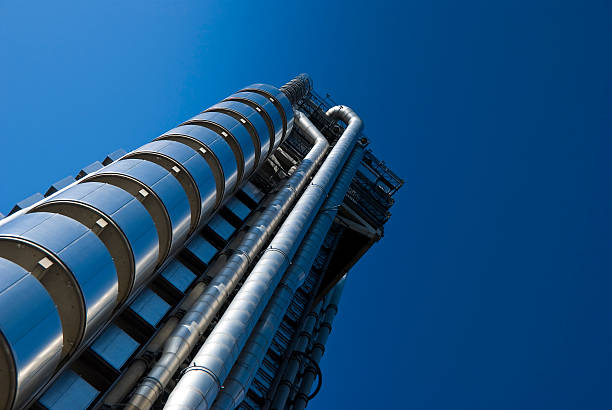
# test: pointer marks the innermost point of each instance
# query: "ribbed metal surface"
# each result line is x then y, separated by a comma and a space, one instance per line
30, 342
182, 341
297, 88
93, 244
201, 383
241, 376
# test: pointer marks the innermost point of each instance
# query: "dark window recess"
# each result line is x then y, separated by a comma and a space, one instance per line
231, 217
95, 370
195, 264
245, 199
166, 290
213, 237
258, 400
135, 326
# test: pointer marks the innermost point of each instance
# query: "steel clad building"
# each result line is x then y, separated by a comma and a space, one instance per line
201, 270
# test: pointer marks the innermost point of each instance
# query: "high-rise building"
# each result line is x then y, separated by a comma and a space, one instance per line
201, 270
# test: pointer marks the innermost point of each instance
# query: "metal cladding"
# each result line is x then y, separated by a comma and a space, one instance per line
202, 380
243, 372
121, 222
73, 259
31, 343
146, 282
182, 341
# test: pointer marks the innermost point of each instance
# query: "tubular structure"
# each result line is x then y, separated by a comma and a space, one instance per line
228, 222
82, 252
202, 380
242, 373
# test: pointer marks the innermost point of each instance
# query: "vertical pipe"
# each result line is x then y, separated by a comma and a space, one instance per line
202, 381
198, 318
318, 348
243, 372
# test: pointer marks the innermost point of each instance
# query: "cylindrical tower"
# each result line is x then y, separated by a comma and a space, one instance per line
81, 253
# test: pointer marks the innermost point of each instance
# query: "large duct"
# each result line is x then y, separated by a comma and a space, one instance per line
201, 381
243, 372
71, 261
182, 341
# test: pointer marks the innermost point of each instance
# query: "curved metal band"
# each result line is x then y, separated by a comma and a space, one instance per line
152, 202
276, 103
202, 369
228, 137
182, 175
208, 155
248, 125
263, 113
59, 282
7, 391
111, 235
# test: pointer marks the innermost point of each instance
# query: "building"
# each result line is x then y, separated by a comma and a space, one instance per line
203, 269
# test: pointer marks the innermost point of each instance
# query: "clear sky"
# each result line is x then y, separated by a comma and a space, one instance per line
490, 289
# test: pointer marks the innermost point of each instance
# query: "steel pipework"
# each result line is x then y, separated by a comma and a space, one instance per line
243, 372
318, 348
200, 315
93, 245
202, 381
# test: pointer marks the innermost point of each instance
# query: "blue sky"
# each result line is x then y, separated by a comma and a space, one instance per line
491, 287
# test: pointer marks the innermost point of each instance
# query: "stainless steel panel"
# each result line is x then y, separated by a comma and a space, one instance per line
195, 164
218, 146
167, 188
238, 208
178, 275
82, 252
222, 347
31, 326
200, 315
281, 98
201, 248
262, 115
149, 306
254, 122
237, 383
129, 215
69, 392
114, 346
240, 133
270, 108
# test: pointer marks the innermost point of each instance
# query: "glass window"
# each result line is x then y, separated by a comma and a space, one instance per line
238, 208
150, 306
252, 192
179, 275
115, 346
223, 228
69, 392
201, 248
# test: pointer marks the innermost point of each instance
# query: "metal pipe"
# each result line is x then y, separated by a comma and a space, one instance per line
318, 348
198, 318
202, 380
243, 372
293, 367
129, 218
130, 377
